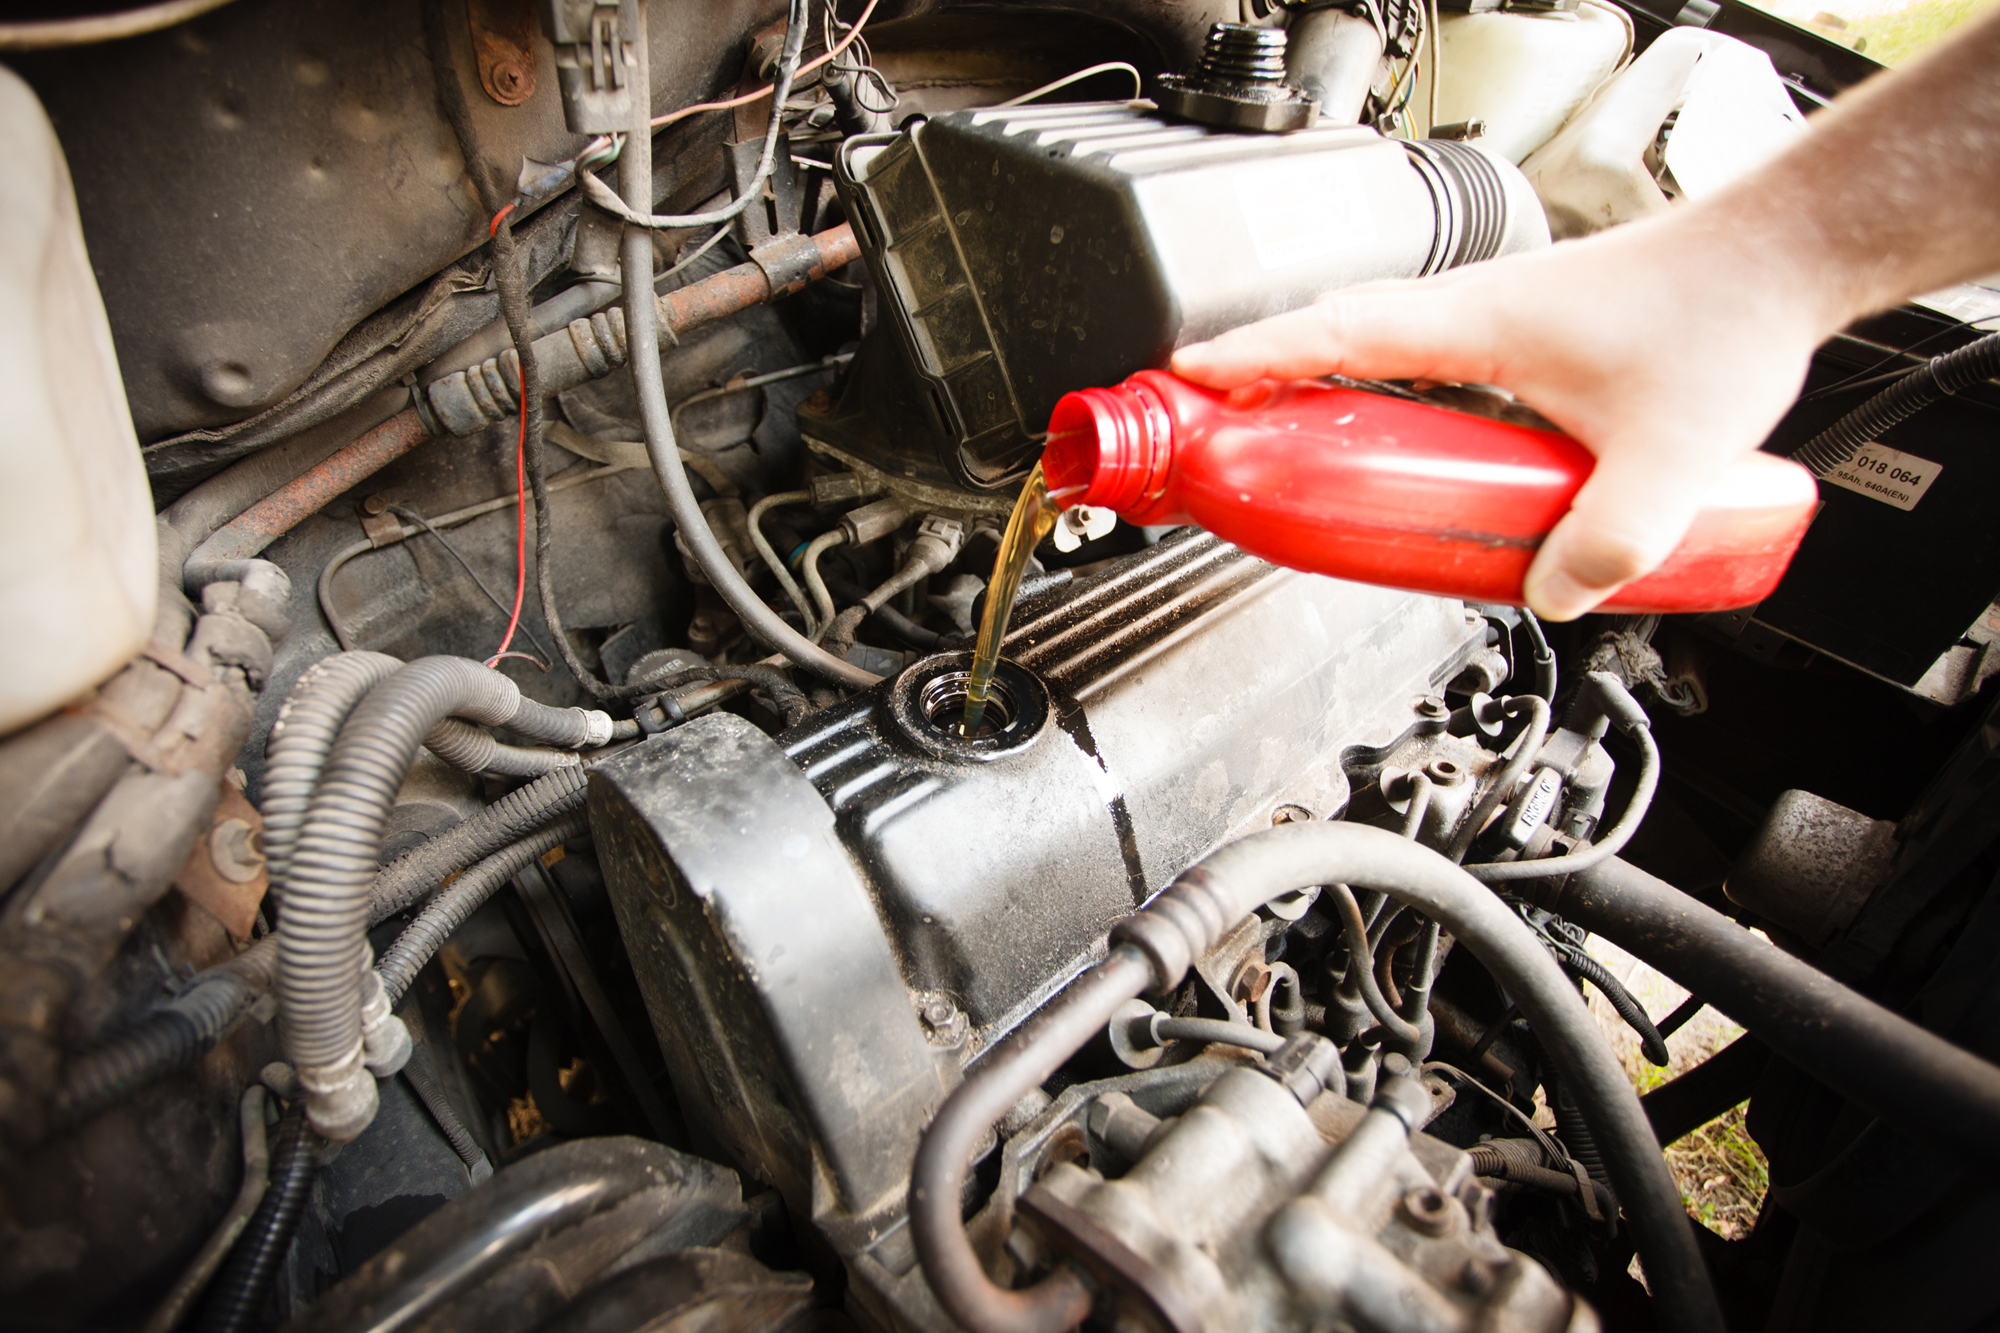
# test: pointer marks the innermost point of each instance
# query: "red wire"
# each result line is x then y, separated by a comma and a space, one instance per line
493, 228
521, 537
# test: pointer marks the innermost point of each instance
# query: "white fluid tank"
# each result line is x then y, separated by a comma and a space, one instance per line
1523, 74
79, 575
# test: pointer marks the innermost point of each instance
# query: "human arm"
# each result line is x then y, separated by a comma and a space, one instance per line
1670, 347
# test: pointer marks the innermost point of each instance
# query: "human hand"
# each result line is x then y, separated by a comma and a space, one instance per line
1666, 348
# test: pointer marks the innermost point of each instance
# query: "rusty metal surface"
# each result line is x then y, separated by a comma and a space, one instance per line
746, 285
225, 872
278, 513
503, 40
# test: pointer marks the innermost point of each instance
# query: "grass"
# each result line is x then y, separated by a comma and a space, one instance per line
1721, 1172
1894, 37
1890, 31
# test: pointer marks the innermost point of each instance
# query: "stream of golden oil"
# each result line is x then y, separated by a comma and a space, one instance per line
1034, 514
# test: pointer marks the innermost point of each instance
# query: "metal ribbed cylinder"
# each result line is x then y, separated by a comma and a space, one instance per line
1238, 53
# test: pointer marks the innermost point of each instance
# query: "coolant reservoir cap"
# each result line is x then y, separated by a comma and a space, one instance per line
928, 704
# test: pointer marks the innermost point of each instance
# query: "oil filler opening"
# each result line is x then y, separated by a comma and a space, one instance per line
929, 705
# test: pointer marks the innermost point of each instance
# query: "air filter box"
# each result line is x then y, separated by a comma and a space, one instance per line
1024, 252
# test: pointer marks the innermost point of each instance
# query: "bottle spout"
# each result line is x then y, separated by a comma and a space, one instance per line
1109, 449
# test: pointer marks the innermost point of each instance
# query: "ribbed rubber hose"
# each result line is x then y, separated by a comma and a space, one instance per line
307, 725
236, 1304
471, 749
1940, 377
412, 876
1651, 1042
642, 337
170, 1039
334, 866
1154, 949
422, 938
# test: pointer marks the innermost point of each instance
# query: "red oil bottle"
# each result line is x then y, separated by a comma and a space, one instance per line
1379, 489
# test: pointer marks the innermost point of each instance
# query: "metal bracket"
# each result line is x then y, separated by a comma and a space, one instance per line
503, 39
594, 61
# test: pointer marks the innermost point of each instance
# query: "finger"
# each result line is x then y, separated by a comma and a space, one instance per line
1416, 330
1628, 518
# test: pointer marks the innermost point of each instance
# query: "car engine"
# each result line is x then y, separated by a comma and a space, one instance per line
502, 495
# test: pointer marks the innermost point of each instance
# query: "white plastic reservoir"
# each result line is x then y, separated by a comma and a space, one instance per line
78, 557
1523, 74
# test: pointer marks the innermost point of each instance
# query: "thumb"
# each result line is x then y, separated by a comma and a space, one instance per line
1391, 330
1629, 516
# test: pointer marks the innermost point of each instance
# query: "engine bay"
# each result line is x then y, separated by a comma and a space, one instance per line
487, 834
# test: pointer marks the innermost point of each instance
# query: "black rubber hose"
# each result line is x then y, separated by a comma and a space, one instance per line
1154, 949
422, 938
790, 699
1879, 1060
642, 334
1215, 1030
1940, 377
1651, 1044
1545, 657
168, 1040
236, 1303
412, 876
909, 631
1361, 967
1680, 1106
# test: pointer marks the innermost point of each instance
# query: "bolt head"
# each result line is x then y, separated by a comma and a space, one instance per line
939, 1013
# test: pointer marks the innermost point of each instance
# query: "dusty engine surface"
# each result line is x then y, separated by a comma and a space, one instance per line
518, 864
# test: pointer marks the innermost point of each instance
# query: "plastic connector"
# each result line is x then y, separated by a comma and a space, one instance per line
385, 1042
872, 522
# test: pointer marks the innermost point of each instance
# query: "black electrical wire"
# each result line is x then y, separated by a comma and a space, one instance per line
505, 609
509, 280
1937, 378
1545, 657
236, 1304
1651, 1041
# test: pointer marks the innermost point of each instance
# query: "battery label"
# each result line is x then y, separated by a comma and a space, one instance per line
1882, 473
